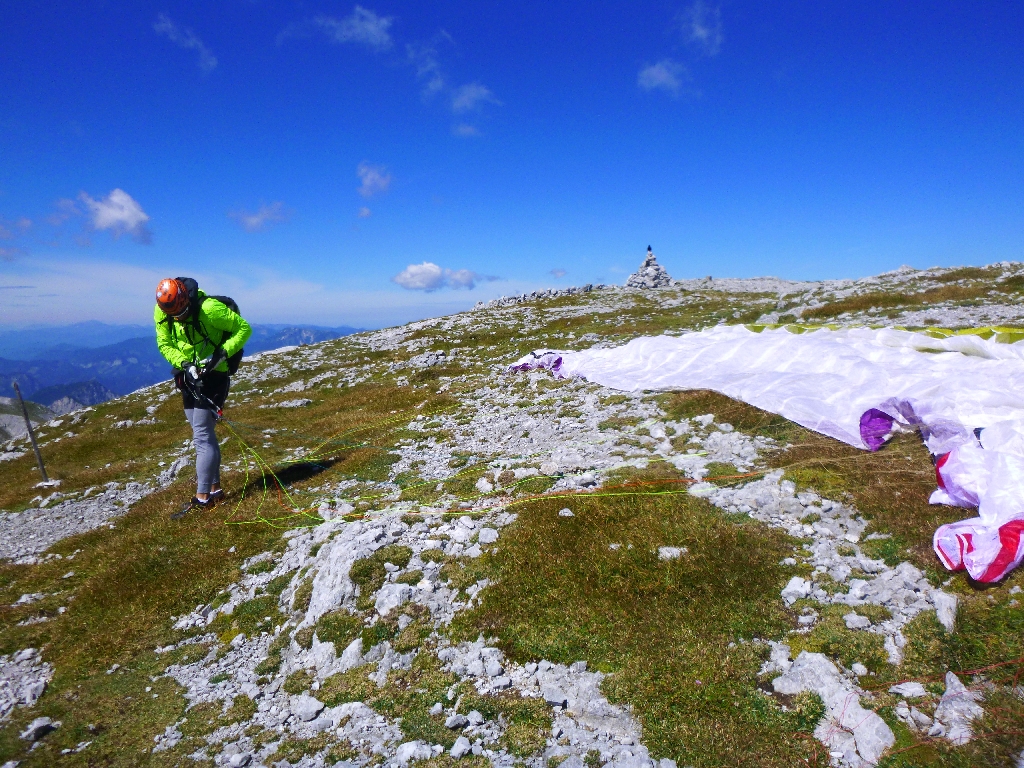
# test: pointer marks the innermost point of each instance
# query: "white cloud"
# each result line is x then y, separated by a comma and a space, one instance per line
467, 97
375, 178
464, 129
428, 67
421, 277
666, 75
10, 254
429, 277
258, 221
558, 272
119, 213
186, 38
362, 26
364, 213
702, 27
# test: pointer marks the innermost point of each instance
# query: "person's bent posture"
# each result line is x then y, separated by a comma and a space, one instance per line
202, 337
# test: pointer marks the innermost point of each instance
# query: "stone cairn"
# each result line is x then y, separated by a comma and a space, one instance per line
650, 275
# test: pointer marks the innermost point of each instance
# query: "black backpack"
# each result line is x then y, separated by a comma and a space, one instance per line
193, 298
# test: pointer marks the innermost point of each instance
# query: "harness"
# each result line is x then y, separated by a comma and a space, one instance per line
192, 321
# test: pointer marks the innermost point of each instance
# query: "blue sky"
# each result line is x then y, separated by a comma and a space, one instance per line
333, 163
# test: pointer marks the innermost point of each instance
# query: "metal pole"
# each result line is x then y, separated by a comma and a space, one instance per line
31, 434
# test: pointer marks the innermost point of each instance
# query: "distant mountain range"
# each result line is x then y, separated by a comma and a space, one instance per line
90, 363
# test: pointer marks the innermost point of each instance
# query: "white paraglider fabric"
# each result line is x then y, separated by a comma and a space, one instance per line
965, 393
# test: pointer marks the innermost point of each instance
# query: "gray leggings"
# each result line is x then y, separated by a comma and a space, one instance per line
207, 448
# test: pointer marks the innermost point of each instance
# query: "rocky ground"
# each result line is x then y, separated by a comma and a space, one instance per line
335, 646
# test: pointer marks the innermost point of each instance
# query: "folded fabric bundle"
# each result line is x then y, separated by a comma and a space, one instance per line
964, 392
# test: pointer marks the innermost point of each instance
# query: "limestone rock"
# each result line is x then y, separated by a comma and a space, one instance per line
847, 728
957, 708
460, 747
305, 707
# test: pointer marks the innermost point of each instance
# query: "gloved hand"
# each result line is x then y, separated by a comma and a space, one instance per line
192, 374
216, 359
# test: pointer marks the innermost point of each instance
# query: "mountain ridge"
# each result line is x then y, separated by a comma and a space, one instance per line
426, 558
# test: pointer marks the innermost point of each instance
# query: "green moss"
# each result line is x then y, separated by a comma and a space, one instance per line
298, 682
378, 633
277, 585
528, 719
303, 594
339, 627
618, 422
369, 573
202, 719
255, 616
558, 592
409, 695
263, 566
892, 550
344, 687
304, 637
832, 637
272, 663
412, 577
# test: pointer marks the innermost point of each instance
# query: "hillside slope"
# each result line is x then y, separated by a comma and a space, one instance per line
424, 558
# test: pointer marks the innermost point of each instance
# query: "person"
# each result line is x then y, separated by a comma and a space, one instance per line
200, 335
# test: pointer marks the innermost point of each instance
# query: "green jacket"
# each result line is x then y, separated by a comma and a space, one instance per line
195, 339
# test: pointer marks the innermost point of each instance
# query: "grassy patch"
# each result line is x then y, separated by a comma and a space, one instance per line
746, 418
369, 573
339, 627
831, 637
344, 687
560, 593
528, 720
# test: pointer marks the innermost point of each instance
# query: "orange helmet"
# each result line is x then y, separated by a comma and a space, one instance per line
172, 297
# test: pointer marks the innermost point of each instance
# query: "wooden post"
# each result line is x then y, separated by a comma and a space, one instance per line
31, 434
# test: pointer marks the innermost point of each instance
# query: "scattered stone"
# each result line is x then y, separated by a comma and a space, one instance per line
911, 690
671, 553
23, 679
38, 728
487, 536
957, 708
305, 707
796, 589
945, 609
856, 621
554, 697
391, 596
456, 721
411, 751
460, 748
565, 512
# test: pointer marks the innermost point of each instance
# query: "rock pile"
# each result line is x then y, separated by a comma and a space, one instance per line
650, 275
23, 678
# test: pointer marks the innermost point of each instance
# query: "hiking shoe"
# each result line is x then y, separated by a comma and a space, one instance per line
196, 503
217, 495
